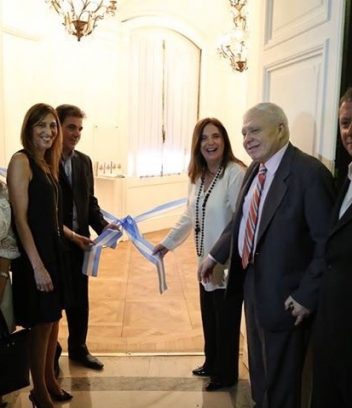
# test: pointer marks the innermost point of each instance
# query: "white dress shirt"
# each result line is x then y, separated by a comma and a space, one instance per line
271, 165
67, 165
347, 201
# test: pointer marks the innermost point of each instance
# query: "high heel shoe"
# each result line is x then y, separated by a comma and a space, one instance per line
35, 403
64, 396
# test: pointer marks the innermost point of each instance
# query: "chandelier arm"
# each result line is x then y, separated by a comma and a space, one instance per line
85, 5
99, 6
82, 21
57, 6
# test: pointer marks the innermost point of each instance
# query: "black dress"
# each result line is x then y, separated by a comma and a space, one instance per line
32, 306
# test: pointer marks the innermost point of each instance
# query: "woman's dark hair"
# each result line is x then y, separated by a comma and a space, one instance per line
198, 165
52, 156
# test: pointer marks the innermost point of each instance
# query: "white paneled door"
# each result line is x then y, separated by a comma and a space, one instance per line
300, 55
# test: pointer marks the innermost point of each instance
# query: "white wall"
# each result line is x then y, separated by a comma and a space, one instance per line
294, 59
41, 62
298, 65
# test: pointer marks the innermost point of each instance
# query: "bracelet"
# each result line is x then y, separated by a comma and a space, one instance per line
4, 275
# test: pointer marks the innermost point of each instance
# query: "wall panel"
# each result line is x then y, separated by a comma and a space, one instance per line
286, 19
303, 76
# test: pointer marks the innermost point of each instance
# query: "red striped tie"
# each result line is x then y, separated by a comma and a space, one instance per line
252, 219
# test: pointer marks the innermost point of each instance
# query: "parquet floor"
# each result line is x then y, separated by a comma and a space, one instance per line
127, 312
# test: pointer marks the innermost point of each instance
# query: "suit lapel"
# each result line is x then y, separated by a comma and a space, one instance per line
75, 169
276, 192
76, 177
347, 216
252, 172
63, 177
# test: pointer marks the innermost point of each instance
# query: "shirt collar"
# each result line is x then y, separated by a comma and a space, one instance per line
68, 157
273, 163
349, 174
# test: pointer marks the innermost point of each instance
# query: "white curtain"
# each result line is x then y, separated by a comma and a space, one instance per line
163, 102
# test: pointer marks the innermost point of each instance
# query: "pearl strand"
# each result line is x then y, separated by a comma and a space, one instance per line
199, 224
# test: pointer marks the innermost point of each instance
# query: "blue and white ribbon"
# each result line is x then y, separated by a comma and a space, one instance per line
3, 172
109, 238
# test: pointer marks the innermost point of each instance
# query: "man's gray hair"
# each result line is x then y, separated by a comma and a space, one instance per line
274, 111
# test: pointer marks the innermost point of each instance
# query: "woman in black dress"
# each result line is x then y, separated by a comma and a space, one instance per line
37, 274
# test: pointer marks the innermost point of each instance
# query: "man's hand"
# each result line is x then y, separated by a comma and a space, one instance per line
297, 310
160, 250
112, 226
83, 242
205, 269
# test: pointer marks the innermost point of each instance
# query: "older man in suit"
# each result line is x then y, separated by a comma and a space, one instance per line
332, 378
80, 211
276, 246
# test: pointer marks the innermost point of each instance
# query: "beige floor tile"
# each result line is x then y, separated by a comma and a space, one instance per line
127, 312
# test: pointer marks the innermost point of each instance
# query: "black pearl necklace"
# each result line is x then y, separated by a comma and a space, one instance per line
199, 223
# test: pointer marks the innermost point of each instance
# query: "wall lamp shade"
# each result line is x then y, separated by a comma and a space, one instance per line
80, 17
233, 46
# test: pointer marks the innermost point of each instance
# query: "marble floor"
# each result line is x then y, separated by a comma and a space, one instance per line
148, 342
131, 381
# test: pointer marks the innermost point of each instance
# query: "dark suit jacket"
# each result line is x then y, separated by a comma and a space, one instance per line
335, 306
289, 258
82, 194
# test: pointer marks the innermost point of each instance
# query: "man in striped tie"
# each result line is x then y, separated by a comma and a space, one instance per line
276, 246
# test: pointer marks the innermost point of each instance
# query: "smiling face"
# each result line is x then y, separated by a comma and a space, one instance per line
44, 133
212, 145
71, 133
263, 135
345, 122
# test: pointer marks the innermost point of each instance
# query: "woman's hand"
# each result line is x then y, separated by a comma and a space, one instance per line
160, 250
42, 279
205, 269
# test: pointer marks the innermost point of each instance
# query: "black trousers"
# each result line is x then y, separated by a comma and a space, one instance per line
332, 385
332, 363
77, 308
276, 359
221, 318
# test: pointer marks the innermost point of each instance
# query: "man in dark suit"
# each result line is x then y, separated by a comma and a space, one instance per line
80, 211
276, 246
332, 379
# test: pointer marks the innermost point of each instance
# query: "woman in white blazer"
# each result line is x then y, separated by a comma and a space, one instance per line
215, 180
